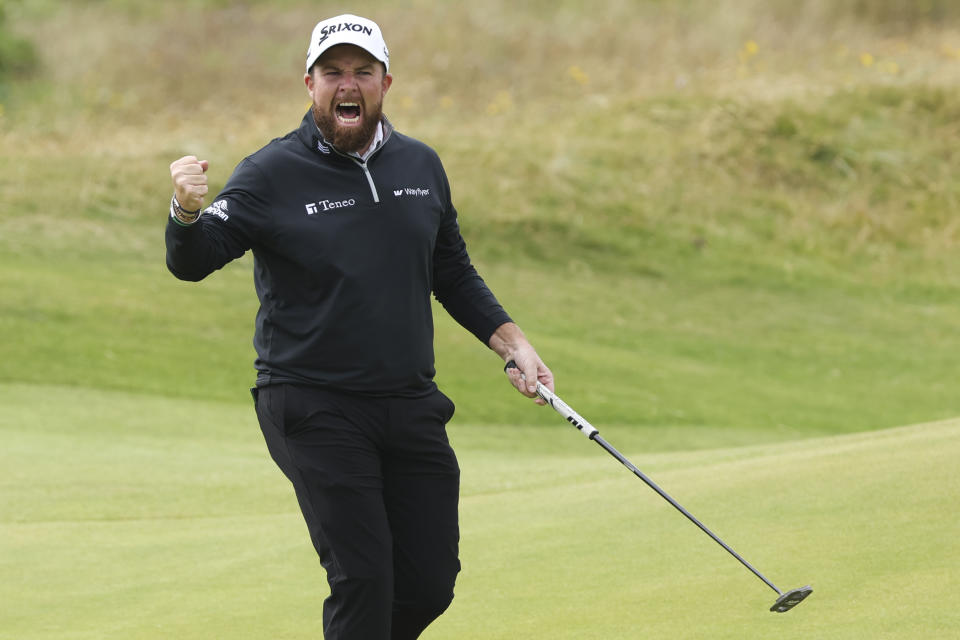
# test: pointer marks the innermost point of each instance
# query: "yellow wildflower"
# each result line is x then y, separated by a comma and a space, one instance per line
502, 103
578, 75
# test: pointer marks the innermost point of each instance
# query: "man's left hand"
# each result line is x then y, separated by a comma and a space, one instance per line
509, 342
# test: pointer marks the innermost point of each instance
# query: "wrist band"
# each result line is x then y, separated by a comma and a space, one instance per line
182, 216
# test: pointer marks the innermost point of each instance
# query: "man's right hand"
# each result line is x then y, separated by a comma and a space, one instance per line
189, 182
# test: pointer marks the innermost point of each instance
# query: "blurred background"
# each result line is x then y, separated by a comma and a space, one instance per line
722, 223
736, 213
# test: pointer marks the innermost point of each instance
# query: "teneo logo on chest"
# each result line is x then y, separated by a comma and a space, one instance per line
343, 26
328, 205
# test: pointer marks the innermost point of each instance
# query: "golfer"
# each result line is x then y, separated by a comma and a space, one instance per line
352, 228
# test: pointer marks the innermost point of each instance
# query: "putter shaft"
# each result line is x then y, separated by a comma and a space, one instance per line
663, 494
785, 601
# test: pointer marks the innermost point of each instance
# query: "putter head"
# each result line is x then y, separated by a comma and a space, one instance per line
790, 599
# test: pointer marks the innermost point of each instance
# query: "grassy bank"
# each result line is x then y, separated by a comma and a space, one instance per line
703, 221
727, 226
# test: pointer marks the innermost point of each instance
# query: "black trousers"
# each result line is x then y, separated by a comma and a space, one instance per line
378, 485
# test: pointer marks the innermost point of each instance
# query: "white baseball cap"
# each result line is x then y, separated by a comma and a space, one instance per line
347, 29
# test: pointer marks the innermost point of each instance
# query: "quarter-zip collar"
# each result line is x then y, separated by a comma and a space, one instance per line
310, 135
377, 141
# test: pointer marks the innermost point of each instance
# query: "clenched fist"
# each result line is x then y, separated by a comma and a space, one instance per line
189, 181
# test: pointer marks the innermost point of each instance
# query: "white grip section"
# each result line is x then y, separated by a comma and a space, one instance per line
564, 409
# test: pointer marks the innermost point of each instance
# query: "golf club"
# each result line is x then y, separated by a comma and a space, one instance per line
786, 600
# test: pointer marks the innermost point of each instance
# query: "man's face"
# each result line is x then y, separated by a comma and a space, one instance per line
347, 86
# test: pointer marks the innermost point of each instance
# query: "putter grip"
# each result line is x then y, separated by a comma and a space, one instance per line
560, 406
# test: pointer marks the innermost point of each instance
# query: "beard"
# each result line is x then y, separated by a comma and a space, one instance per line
348, 139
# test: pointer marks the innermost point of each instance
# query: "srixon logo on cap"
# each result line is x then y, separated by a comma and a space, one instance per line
343, 26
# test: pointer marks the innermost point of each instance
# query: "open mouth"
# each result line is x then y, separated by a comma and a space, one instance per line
348, 112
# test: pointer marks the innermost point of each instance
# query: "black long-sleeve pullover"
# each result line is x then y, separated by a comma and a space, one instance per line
346, 255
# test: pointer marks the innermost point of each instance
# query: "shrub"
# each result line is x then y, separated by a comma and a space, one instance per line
18, 57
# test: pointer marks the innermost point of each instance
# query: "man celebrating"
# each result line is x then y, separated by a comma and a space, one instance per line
352, 228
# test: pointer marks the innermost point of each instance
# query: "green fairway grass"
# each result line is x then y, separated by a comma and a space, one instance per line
729, 227
132, 516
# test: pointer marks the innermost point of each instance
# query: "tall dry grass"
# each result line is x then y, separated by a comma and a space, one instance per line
201, 65
814, 123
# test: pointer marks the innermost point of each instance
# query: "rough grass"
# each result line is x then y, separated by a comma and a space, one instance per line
729, 223
728, 227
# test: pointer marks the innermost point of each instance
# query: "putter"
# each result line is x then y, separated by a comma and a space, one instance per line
786, 600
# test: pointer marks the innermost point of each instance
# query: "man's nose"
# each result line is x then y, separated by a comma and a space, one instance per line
348, 81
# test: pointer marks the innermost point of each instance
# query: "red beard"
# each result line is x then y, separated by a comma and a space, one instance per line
348, 139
